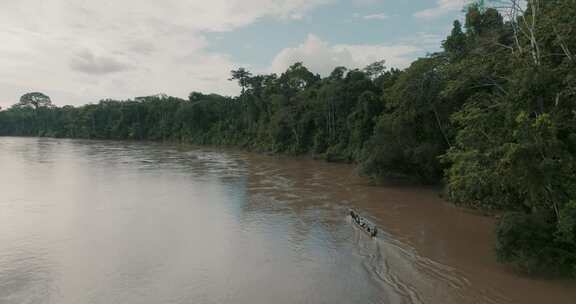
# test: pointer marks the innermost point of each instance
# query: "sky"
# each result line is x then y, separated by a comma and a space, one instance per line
82, 51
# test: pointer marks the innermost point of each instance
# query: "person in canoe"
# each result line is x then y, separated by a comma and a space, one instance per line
364, 224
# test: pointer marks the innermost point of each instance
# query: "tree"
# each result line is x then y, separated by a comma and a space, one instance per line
242, 76
414, 129
515, 148
455, 44
376, 69
34, 100
481, 19
296, 79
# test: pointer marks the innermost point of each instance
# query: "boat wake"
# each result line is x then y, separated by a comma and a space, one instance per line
406, 277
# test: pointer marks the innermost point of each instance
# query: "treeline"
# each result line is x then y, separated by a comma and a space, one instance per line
492, 116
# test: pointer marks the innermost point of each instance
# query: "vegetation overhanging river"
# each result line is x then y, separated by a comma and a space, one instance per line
123, 222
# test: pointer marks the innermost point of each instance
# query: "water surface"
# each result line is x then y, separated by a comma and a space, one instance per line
123, 222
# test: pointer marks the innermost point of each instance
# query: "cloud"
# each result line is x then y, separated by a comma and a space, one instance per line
86, 62
88, 50
428, 42
316, 54
397, 56
381, 16
442, 7
366, 2
321, 57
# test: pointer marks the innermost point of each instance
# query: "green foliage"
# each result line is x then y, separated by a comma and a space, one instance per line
514, 148
528, 242
455, 44
34, 100
414, 130
493, 116
567, 224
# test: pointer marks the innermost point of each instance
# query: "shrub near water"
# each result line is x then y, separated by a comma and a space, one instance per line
532, 244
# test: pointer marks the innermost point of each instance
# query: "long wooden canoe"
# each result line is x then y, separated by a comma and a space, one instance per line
364, 224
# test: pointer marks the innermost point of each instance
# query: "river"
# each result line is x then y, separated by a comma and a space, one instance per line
124, 222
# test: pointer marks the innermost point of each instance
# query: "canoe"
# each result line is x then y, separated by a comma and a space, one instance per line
364, 224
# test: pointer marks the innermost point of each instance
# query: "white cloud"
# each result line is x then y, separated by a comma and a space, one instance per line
316, 54
83, 51
442, 7
426, 41
321, 57
381, 16
86, 62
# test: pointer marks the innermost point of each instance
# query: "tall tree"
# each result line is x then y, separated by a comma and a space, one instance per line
455, 44
242, 76
34, 100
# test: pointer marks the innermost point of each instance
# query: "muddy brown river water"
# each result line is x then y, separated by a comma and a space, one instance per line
122, 222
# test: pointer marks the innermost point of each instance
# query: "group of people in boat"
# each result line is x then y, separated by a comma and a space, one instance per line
364, 223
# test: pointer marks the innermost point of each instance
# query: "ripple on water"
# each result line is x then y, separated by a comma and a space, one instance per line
126, 222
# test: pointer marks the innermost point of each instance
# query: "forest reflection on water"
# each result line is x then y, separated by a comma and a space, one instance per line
124, 222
